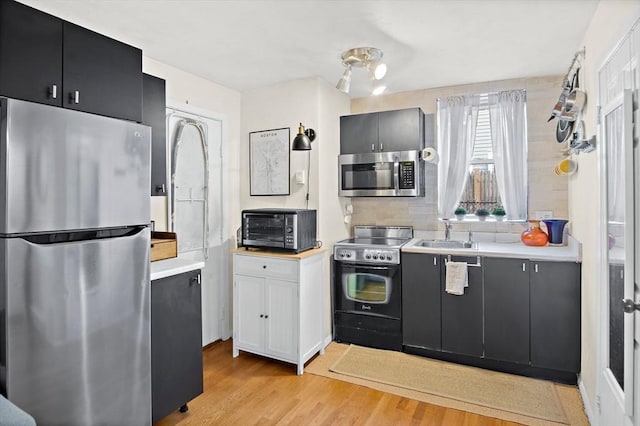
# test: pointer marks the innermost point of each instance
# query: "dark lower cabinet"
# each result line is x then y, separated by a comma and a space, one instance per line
154, 107
506, 309
555, 315
176, 342
462, 315
516, 315
421, 293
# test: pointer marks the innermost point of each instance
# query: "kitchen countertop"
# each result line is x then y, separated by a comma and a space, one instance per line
572, 252
277, 253
173, 266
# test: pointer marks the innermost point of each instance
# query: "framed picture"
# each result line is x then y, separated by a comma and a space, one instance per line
269, 162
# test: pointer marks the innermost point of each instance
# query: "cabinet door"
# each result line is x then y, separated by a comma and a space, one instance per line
401, 130
176, 342
101, 75
555, 315
250, 311
30, 54
506, 309
462, 315
359, 133
281, 319
421, 293
154, 107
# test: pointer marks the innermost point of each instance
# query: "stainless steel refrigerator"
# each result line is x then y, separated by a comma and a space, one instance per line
74, 266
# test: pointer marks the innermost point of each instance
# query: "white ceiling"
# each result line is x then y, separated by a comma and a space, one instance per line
245, 44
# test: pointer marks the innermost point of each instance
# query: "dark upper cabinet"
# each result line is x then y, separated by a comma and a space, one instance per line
30, 54
176, 342
506, 309
47, 60
421, 292
101, 75
401, 130
555, 315
358, 133
397, 130
462, 315
154, 115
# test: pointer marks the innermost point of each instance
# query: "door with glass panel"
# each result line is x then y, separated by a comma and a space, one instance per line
617, 371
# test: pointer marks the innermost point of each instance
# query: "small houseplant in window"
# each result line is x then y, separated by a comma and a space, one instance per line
460, 213
482, 213
499, 213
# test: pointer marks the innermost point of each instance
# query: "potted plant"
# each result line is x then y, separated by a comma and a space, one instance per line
499, 213
482, 213
460, 213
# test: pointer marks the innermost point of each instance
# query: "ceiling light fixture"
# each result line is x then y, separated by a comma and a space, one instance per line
369, 58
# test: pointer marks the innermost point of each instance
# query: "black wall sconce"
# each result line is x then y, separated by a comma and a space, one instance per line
302, 141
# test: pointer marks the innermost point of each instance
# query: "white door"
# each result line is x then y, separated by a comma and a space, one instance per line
249, 312
617, 377
282, 320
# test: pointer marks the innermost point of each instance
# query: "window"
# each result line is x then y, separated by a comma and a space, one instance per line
481, 187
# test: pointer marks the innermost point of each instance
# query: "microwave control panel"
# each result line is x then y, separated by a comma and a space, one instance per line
407, 175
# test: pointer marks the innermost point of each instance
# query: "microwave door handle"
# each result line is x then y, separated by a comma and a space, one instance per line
396, 175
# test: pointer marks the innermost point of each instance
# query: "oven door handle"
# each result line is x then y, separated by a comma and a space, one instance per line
373, 268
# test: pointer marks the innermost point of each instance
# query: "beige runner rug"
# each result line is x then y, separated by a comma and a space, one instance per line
511, 393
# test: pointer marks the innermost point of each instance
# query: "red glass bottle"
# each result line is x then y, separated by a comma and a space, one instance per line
534, 236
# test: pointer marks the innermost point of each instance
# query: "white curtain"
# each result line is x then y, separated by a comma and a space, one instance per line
457, 119
508, 116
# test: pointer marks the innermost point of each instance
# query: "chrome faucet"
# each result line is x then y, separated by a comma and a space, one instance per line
447, 230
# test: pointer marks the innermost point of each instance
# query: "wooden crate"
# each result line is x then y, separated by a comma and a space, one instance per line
164, 245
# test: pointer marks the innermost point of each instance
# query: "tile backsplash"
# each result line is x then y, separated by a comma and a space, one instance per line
547, 191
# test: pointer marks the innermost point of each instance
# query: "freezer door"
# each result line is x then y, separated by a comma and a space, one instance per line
77, 336
65, 170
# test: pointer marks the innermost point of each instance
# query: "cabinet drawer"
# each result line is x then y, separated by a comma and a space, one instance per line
267, 267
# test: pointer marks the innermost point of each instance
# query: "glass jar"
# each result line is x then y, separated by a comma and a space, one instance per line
534, 236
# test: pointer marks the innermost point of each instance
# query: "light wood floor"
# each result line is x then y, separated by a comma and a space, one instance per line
252, 390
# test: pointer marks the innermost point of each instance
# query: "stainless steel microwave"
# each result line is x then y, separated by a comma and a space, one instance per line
381, 174
286, 229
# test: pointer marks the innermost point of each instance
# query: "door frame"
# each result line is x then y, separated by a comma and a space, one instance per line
224, 320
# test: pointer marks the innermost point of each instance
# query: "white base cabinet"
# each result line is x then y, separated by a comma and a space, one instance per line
278, 305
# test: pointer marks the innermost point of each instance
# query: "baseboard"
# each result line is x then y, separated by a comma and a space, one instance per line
585, 402
327, 340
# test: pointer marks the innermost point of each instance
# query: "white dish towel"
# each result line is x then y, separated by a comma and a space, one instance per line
457, 278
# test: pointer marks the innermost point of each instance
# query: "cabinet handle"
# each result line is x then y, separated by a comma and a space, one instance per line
53, 91
535, 267
160, 188
524, 267
74, 97
261, 316
266, 316
381, 147
264, 266
373, 147
435, 261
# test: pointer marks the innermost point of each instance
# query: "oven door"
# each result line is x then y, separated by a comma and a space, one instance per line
368, 289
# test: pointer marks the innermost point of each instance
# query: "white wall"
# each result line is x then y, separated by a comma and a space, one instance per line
316, 105
611, 21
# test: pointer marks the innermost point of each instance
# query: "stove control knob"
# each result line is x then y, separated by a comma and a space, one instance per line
389, 257
348, 255
341, 254
368, 256
375, 257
